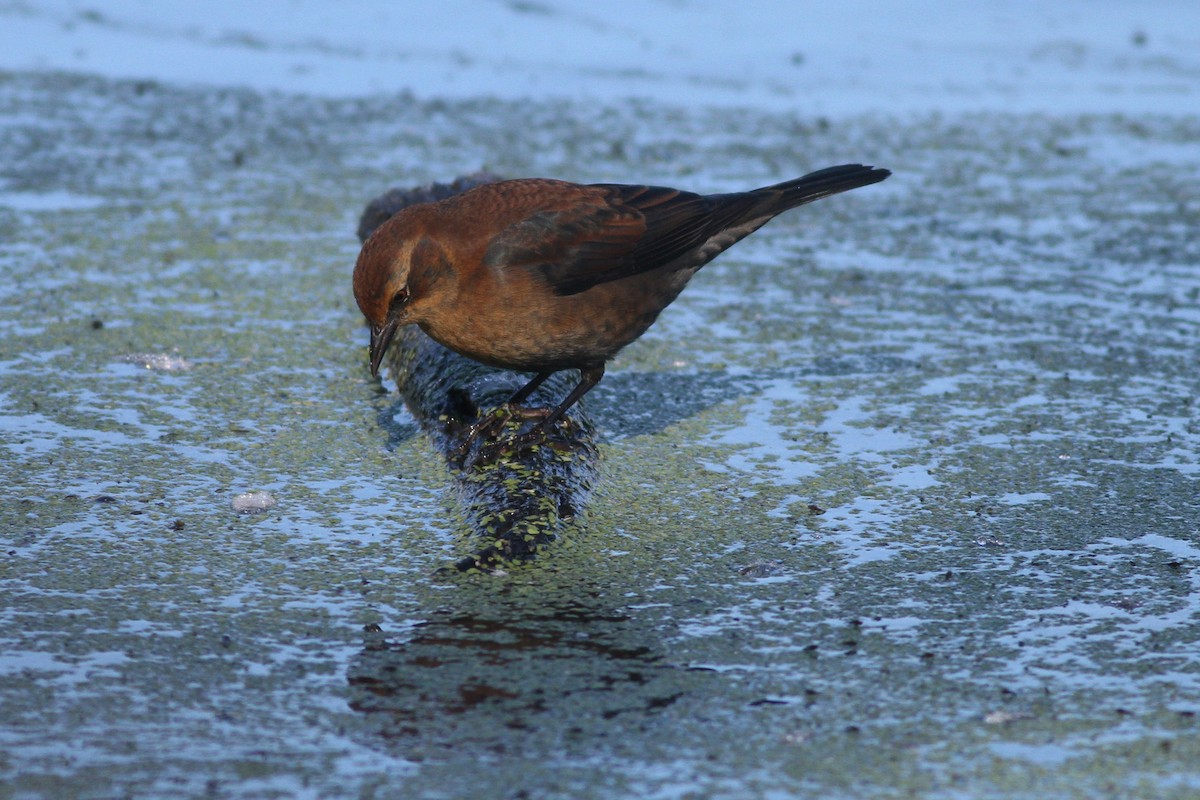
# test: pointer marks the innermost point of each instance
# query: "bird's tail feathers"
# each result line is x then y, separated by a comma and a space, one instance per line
822, 183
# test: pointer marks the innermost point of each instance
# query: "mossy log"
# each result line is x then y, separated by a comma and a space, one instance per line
515, 499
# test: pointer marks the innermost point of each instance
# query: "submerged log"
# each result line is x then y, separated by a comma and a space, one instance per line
515, 499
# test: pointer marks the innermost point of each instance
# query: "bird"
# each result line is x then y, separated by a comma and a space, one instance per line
539, 275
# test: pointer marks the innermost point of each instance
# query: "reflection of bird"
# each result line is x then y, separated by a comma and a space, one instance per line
541, 275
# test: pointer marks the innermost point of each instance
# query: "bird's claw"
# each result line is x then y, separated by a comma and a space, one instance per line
490, 427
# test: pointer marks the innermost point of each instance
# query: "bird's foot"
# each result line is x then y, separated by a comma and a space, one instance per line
486, 426
490, 428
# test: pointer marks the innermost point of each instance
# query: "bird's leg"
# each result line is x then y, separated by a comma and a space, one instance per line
492, 423
589, 376
522, 394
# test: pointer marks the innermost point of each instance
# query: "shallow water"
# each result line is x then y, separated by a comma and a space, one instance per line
899, 498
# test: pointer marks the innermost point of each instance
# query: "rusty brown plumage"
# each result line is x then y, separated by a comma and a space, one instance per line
541, 275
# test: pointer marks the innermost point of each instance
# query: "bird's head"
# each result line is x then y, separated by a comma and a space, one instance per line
400, 276
381, 286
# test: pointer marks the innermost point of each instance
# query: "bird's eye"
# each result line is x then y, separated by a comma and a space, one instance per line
399, 299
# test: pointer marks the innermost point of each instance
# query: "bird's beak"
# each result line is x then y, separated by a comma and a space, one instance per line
381, 337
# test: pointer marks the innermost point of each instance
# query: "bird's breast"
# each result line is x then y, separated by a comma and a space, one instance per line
525, 326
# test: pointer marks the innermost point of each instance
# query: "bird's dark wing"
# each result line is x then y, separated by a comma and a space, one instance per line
575, 237
610, 232
567, 242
